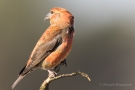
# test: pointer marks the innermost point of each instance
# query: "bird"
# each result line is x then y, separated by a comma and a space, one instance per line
54, 45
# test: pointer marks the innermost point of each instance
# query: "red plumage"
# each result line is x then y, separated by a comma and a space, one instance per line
54, 45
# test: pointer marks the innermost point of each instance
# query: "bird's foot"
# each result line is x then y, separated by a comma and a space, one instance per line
52, 73
64, 63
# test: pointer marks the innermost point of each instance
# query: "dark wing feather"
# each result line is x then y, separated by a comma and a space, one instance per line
22, 70
41, 53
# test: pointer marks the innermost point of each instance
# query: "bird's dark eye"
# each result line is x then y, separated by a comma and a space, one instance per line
51, 12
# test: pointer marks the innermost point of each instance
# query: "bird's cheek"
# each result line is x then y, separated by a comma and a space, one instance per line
55, 17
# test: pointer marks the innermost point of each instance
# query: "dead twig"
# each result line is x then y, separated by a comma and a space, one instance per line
45, 84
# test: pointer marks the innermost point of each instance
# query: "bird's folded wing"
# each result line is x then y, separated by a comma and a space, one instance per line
41, 53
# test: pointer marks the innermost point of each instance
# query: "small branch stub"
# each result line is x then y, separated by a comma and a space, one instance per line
45, 84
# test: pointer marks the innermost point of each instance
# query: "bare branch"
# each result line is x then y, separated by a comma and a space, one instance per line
45, 84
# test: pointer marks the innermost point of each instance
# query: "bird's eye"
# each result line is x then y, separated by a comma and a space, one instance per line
51, 12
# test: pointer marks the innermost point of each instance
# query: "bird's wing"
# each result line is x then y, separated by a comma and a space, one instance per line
41, 53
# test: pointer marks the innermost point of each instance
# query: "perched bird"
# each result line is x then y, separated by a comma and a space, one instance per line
53, 46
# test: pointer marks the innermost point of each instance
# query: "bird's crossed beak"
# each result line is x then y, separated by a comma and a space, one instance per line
48, 16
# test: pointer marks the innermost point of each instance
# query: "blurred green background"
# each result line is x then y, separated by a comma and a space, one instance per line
104, 43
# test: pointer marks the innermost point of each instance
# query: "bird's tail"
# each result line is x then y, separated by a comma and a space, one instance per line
17, 81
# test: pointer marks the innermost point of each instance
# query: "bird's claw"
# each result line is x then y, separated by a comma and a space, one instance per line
64, 62
52, 73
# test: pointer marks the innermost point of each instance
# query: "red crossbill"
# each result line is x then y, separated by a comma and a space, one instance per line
53, 46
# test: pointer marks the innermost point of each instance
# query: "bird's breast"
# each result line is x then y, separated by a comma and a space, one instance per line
60, 53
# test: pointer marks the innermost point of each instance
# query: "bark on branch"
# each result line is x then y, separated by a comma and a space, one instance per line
45, 84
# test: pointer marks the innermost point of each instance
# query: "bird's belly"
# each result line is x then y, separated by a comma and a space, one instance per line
57, 56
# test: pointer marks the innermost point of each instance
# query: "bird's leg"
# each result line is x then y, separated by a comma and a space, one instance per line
63, 62
57, 68
52, 73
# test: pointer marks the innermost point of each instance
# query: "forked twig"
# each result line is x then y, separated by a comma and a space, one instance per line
45, 84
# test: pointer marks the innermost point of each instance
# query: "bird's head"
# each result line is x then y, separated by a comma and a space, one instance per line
60, 16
